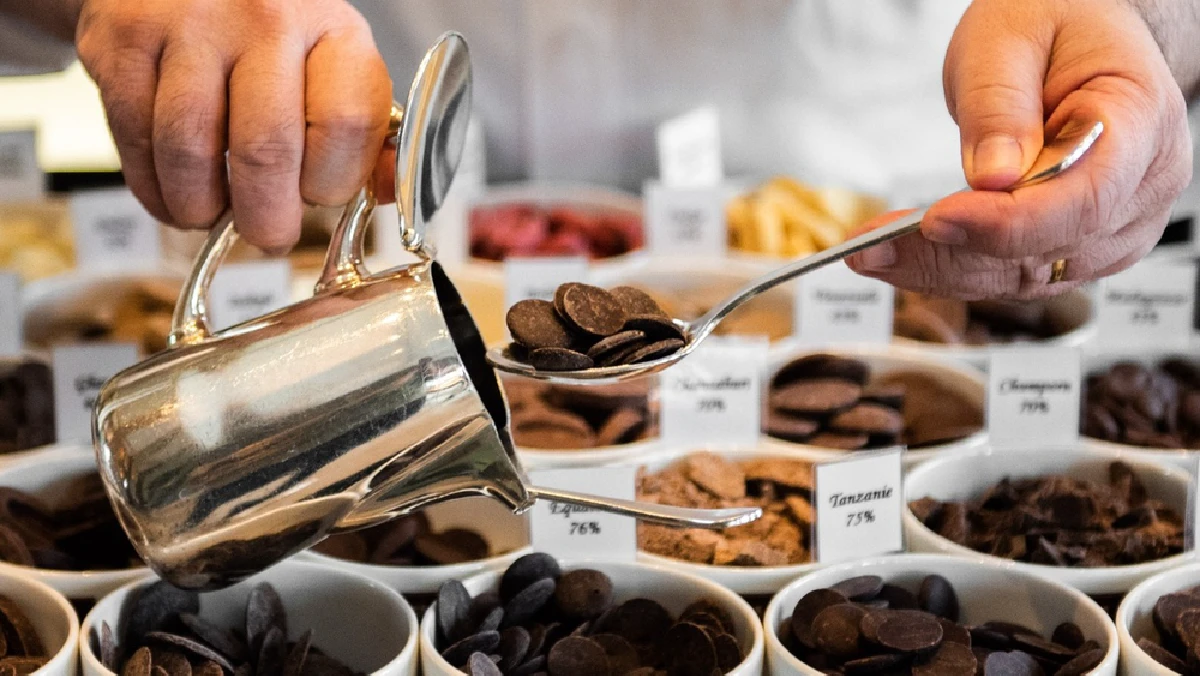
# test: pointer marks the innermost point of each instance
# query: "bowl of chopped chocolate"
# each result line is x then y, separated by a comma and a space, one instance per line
1159, 624
755, 559
1151, 402
294, 619
828, 403
588, 619
524, 220
932, 615
1098, 521
414, 554
575, 425
965, 330
58, 526
39, 629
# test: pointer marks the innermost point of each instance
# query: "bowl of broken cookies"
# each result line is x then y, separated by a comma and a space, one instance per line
58, 526
555, 426
294, 619
415, 553
930, 615
1096, 520
827, 403
755, 559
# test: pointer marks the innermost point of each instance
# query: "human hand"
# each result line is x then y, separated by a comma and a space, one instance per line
294, 90
1017, 74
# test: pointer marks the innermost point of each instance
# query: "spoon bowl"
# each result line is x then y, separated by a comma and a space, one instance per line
1054, 159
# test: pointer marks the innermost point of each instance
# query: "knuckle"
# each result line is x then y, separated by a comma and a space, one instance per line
270, 153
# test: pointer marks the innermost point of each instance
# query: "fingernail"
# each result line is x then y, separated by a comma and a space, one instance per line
995, 155
879, 257
945, 232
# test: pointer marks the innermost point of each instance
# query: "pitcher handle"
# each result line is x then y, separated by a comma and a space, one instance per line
343, 261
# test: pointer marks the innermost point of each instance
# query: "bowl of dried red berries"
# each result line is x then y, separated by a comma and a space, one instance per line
931, 615
39, 630
548, 219
294, 619
829, 403
414, 554
1098, 521
589, 619
756, 559
58, 526
1159, 624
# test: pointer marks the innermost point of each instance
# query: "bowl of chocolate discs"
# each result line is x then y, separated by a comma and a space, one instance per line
1096, 520
58, 526
930, 615
827, 403
1159, 624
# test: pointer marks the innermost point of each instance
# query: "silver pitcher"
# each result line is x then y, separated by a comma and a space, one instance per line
230, 451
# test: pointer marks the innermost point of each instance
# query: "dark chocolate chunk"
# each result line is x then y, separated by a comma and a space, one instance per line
583, 594
1068, 634
636, 302
558, 359
577, 656
194, 647
950, 659
479, 664
1162, 656
655, 327
528, 602
514, 646
910, 632
807, 609
535, 324
654, 351
1011, 664
937, 596
152, 606
861, 588
1082, 663
617, 341
835, 630
589, 309
458, 653
453, 606
687, 650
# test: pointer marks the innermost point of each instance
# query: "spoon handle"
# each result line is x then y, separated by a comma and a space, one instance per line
903, 225
667, 515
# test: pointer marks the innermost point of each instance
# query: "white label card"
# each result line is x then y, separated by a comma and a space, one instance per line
689, 149
1033, 397
21, 178
1149, 305
685, 222
714, 395
526, 278
10, 314
1193, 508
568, 531
243, 291
835, 305
79, 373
113, 231
859, 503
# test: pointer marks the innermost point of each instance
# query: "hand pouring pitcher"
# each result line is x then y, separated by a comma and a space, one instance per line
230, 451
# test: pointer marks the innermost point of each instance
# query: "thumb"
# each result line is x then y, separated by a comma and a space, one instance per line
993, 76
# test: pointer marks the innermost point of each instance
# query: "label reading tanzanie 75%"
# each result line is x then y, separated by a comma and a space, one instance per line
1033, 397
859, 502
1149, 305
575, 532
834, 305
714, 395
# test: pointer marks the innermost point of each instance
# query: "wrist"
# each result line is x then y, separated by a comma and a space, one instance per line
1175, 26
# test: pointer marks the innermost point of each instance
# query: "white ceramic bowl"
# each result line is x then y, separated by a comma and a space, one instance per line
504, 531
41, 472
674, 590
1135, 618
967, 476
745, 580
965, 380
1074, 307
53, 619
987, 590
357, 620
544, 458
1097, 363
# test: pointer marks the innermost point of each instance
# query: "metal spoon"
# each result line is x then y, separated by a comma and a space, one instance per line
1054, 159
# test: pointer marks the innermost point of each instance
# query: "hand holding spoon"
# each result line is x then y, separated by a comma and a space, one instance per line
1054, 159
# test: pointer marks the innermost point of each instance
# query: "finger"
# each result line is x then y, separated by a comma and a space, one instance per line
1113, 254
998, 108
384, 176
915, 263
347, 103
190, 133
1091, 199
126, 75
266, 143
